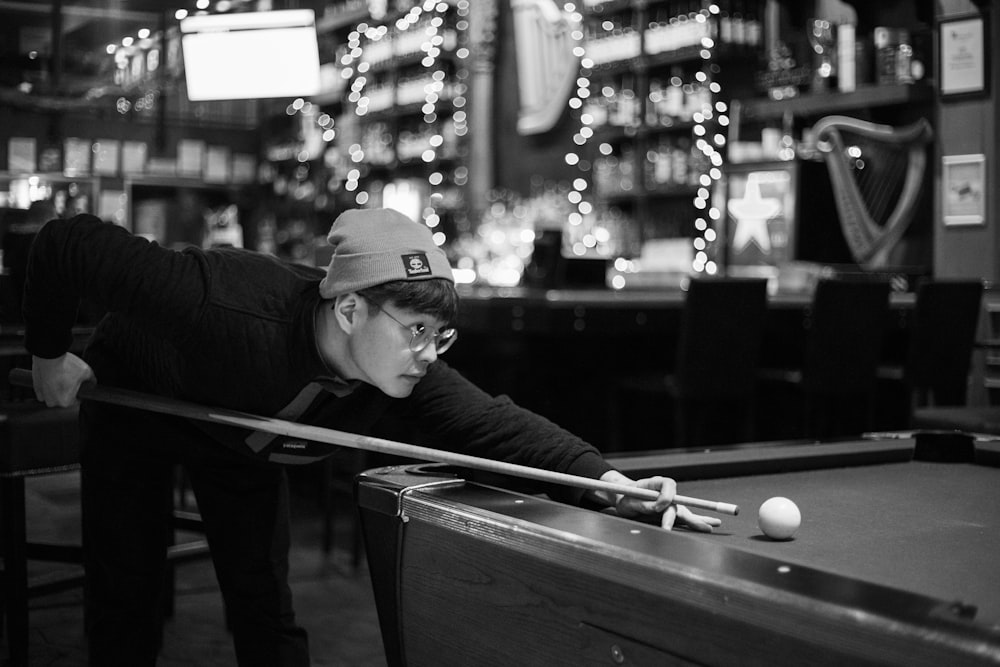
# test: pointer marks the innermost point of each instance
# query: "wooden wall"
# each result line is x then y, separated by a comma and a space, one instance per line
970, 126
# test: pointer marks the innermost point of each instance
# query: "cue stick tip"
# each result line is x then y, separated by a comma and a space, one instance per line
729, 508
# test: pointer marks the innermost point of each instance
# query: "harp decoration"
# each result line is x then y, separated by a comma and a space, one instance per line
545, 38
877, 173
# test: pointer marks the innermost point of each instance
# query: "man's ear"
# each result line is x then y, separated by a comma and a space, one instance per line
347, 308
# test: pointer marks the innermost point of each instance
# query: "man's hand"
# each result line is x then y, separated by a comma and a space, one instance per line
671, 514
58, 380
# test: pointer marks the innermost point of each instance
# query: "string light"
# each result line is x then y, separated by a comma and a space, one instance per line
614, 43
711, 144
421, 32
586, 235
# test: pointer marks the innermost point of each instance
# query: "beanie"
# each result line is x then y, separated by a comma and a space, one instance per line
375, 246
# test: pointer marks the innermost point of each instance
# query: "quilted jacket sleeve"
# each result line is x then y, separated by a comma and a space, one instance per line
454, 414
85, 257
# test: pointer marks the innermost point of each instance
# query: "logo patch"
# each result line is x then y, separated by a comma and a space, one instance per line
416, 264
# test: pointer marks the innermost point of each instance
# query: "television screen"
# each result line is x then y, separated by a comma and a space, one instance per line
250, 55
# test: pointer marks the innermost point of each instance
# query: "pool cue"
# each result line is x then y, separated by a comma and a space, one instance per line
178, 408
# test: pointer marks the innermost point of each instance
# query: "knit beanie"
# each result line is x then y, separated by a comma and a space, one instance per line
375, 246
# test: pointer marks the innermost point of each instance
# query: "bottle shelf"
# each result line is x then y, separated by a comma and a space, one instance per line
821, 104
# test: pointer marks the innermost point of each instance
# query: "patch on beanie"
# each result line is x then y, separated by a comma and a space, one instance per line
416, 265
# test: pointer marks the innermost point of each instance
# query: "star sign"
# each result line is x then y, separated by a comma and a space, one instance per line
751, 214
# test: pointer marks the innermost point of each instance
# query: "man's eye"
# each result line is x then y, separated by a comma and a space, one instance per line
418, 329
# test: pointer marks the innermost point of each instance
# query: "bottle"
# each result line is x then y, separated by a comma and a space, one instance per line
751, 24
846, 67
663, 162
674, 102
885, 55
725, 23
904, 57
628, 106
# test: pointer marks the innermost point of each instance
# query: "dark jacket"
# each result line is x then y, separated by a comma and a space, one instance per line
235, 329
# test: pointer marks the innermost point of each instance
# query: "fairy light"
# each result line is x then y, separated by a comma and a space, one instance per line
423, 30
707, 130
589, 236
711, 144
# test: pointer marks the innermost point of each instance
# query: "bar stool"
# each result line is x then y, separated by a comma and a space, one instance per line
34, 441
712, 386
834, 386
936, 370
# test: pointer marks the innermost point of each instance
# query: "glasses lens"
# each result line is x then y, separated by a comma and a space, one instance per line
442, 340
445, 339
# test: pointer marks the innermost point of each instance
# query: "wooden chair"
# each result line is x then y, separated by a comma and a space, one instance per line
942, 337
713, 383
833, 388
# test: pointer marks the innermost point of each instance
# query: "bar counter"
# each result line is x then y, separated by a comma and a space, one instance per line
535, 310
559, 352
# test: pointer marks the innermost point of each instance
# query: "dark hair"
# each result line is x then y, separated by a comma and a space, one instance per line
436, 297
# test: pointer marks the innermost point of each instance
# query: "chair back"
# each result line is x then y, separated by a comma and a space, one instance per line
941, 340
722, 328
846, 325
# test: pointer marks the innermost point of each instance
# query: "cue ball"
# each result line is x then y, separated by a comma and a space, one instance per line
779, 518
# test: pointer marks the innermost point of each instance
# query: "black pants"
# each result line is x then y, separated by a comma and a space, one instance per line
128, 462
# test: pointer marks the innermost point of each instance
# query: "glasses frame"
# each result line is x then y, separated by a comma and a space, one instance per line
419, 340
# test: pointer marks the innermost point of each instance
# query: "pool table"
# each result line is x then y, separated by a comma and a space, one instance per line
897, 562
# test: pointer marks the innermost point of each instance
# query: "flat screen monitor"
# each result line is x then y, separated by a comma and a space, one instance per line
250, 55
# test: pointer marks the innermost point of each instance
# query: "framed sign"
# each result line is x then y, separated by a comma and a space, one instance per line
963, 183
963, 56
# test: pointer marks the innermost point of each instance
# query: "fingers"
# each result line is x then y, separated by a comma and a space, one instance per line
698, 522
668, 518
57, 381
667, 488
670, 513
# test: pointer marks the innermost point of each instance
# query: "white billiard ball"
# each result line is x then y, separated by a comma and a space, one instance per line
779, 518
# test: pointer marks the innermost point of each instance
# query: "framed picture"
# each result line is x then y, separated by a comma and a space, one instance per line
963, 56
963, 183
760, 214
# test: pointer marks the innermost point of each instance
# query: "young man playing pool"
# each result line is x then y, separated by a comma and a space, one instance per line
245, 331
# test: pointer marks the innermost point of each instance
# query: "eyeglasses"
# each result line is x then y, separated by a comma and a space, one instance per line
421, 336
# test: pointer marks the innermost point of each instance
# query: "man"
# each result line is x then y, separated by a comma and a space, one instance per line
242, 330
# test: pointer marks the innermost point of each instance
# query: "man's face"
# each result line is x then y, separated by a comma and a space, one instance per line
380, 348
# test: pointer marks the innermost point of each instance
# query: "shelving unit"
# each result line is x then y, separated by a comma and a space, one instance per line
772, 135
661, 78
713, 57
177, 212
68, 193
402, 122
865, 97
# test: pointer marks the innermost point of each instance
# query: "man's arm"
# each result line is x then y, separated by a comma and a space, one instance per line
464, 418
86, 258
459, 416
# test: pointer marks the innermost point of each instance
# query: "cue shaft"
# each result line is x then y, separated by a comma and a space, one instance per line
178, 408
